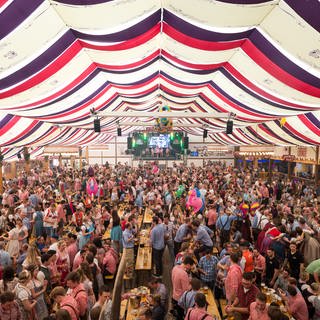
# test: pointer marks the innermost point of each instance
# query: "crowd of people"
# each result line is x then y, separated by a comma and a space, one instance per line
251, 238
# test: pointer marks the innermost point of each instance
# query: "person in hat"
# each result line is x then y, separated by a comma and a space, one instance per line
53, 242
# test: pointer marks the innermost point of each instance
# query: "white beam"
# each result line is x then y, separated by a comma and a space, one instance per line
157, 114
174, 124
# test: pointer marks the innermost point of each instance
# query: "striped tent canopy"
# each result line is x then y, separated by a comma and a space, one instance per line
257, 59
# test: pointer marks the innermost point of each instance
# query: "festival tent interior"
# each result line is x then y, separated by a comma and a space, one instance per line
66, 63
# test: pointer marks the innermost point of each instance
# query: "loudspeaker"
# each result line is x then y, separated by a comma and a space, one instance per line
205, 133
186, 143
229, 127
19, 155
96, 125
129, 143
119, 132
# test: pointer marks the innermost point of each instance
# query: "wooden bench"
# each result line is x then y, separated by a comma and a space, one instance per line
223, 303
125, 277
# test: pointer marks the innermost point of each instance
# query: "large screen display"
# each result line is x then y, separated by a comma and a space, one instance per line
160, 141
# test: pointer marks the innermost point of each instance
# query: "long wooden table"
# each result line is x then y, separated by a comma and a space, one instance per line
144, 258
212, 304
148, 214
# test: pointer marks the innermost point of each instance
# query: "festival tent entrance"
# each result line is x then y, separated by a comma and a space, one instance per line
257, 61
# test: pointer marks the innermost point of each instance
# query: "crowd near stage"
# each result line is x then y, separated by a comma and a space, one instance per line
185, 242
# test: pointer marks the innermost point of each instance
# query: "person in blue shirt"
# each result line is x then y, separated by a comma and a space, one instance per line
208, 268
158, 244
5, 259
202, 238
128, 245
181, 235
224, 225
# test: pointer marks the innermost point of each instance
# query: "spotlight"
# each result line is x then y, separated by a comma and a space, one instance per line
96, 125
205, 133
229, 128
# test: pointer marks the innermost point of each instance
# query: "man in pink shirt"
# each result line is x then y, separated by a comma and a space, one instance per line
78, 292
180, 283
199, 311
212, 216
72, 248
259, 263
233, 279
78, 259
258, 309
61, 211
295, 304
68, 303
110, 261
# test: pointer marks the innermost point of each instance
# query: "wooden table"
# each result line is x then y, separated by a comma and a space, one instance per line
140, 219
144, 237
131, 316
148, 214
212, 307
144, 258
123, 309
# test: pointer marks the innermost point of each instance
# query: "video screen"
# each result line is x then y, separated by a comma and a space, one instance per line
160, 141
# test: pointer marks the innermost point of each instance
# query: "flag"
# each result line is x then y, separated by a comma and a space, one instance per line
283, 121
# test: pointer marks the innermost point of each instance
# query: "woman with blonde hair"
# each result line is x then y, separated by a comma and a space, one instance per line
32, 258
15, 238
63, 260
37, 292
24, 296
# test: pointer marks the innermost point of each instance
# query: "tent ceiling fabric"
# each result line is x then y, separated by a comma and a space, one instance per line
257, 59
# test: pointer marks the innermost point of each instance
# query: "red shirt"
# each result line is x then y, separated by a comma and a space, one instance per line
256, 314
78, 216
246, 298
110, 261
212, 217
232, 282
72, 251
180, 282
248, 255
79, 293
298, 307
70, 304
61, 213
197, 314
